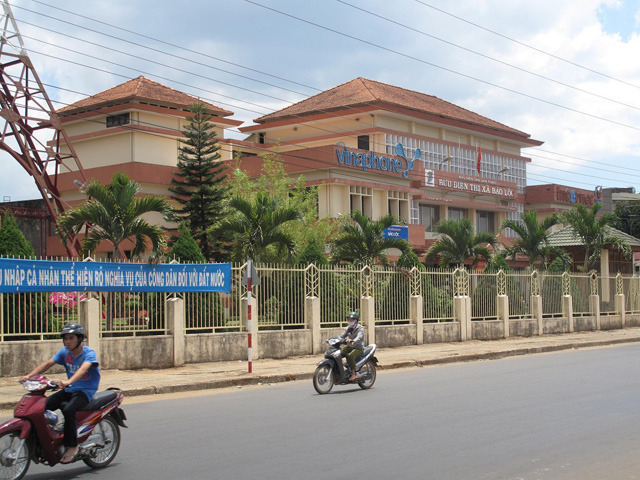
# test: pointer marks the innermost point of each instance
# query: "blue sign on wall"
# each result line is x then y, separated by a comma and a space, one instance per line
53, 276
397, 232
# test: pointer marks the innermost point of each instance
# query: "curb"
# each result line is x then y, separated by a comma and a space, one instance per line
290, 377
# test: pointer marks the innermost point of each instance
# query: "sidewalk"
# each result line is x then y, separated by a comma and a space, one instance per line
204, 376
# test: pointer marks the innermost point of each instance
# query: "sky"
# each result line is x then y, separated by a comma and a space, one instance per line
567, 73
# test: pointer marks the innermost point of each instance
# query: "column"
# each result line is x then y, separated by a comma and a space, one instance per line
89, 316
368, 318
416, 315
175, 326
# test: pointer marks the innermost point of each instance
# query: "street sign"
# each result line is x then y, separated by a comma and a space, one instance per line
397, 231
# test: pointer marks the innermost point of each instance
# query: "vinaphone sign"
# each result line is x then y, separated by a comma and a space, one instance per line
372, 161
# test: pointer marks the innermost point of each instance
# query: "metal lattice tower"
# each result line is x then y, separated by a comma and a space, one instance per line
27, 113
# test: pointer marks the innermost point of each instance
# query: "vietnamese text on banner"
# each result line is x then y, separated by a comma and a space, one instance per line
61, 276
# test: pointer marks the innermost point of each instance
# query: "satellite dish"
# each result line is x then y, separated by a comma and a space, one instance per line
341, 144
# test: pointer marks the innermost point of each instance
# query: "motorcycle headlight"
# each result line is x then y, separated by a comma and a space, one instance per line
34, 386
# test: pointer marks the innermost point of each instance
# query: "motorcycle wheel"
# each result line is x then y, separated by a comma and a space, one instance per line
368, 371
110, 432
323, 379
13, 468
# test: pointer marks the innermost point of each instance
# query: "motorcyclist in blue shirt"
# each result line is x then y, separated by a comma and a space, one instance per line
83, 378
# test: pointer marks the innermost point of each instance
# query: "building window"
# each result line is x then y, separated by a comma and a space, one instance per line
485, 222
363, 142
117, 120
398, 204
457, 213
429, 216
261, 137
361, 198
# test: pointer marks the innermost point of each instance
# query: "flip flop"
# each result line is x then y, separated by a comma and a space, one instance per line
69, 457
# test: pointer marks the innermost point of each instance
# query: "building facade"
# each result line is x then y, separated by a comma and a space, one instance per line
382, 149
365, 145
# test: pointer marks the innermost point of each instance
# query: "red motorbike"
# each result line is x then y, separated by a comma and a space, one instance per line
36, 434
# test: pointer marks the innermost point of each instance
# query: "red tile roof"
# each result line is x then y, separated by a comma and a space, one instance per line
364, 92
139, 89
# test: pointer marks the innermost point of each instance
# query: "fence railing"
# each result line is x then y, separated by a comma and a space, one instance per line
282, 292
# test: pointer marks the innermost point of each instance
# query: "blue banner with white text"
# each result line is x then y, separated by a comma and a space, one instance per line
62, 276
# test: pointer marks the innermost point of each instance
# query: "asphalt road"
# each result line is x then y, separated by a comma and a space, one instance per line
567, 415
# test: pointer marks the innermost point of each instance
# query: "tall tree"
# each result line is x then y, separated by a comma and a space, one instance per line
12, 241
199, 184
185, 248
258, 225
457, 243
361, 241
114, 214
533, 239
290, 192
594, 231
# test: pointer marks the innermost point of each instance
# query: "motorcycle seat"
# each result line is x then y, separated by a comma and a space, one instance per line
101, 399
366, 352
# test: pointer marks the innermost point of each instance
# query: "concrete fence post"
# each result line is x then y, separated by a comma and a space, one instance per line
244, 315
594, 304
536, 311
502, 302
368, 317
312, 312
567, 310
462, 309
89, 316
175, 326
416, 314
621, 308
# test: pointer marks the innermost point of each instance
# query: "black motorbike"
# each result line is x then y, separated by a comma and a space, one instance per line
332, 370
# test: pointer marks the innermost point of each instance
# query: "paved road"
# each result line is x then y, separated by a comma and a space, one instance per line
564, 415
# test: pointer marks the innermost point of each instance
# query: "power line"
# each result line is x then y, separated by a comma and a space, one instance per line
487, 56
411, 57
527, 45
158, 63
186, 84
168, 44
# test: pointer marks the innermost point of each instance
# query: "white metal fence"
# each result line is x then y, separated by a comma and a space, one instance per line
282, 292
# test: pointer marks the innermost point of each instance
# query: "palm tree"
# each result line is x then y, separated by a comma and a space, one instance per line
457, 243
594, 232
533, 241
362, 241
113, 213
257, 225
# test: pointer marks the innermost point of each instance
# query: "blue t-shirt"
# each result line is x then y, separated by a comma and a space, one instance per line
88, 384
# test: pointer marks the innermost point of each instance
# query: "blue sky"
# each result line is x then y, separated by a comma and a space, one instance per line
564, 72
622, 18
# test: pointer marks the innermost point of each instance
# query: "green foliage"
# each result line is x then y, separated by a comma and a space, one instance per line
12, 241
199, 185
393, 293
533, 239
496, 263
257, 226
313, 253
627, 217
361, 241
409, 260
114, 213
438, 302
594, 233
290, 193
457, 243
185, 248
